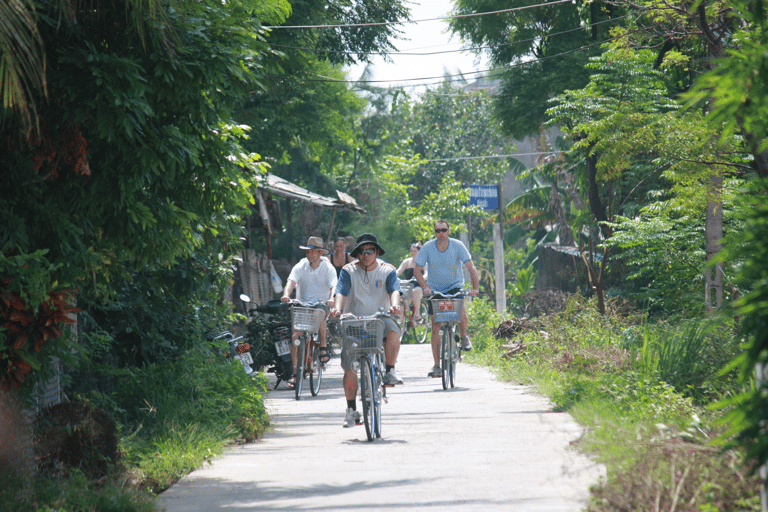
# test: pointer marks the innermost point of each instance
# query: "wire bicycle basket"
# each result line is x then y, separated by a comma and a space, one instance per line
362, 336
406, 287
447, 310
306, 319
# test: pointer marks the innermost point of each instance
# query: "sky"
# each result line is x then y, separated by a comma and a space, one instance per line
423, 37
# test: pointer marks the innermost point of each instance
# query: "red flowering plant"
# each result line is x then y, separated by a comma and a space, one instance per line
29, 320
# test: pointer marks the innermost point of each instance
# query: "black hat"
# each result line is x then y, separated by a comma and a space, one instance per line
366, 238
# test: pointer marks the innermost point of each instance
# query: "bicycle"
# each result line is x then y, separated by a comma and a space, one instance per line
420, 331
446, 310
305, 320
363, 340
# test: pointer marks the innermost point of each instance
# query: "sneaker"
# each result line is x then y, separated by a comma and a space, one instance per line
352, 418
466, 345
435, 372
391, 378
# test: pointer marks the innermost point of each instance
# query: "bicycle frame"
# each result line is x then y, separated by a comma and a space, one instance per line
446, 311
305, 320
363, 340
421, 332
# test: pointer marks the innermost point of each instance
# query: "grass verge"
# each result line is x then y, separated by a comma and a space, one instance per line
644, 394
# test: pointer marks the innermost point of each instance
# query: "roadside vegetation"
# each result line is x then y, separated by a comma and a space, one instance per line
646, 391
165, 419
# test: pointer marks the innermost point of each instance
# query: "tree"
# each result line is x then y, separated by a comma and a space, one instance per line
138, 162
540, 49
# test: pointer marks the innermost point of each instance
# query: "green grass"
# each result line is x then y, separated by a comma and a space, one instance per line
173, 418
643, 393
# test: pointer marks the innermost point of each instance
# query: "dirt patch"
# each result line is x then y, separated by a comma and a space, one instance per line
76, 435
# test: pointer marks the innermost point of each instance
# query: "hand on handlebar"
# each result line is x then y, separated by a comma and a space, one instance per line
285, 299
473, 293
334, 313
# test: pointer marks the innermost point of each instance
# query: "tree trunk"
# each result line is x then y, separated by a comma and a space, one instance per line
714, 233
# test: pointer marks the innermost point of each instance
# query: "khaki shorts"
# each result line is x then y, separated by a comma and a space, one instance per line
389, 325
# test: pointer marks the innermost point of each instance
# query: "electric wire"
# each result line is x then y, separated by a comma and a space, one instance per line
403, 22
470, 49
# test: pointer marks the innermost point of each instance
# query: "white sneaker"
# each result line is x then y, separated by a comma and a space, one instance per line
435, 372
352, 418
391, 378
466, 345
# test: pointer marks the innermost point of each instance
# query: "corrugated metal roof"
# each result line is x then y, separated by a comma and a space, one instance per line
285, 188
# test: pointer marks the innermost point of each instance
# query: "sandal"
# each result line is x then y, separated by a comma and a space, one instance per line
290, 383
324, 357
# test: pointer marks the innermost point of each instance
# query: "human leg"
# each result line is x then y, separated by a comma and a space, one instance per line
391, 350
323, 356
466, 344
417, 294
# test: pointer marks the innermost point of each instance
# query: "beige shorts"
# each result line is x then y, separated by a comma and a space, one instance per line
389, 325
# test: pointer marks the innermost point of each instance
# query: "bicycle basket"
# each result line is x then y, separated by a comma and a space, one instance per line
362, 336
407, 288
306, 319
282, 338
447, 310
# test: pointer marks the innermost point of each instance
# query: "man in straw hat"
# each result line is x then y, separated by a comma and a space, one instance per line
364, 287
314, 279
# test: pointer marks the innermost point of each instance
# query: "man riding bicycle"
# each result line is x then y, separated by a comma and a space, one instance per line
445, 256
366, 286
314, 279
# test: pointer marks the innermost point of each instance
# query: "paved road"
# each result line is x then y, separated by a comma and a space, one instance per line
485, 446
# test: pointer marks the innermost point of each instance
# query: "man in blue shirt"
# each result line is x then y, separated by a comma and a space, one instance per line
445, 257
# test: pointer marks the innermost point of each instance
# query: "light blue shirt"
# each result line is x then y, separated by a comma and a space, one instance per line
445, 271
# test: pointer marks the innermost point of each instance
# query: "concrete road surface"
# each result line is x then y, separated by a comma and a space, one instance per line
484, 445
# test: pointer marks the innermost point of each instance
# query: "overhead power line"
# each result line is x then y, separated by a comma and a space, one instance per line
342, 25
470, 49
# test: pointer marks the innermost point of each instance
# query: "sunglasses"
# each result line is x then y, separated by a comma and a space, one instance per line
365, 252
441, 230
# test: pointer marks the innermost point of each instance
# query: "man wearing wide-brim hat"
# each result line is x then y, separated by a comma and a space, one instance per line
364, 287
314, 279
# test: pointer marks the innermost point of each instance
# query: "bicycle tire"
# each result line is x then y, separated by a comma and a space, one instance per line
367, 397
421, 331
316, 370
445, 356
455, 354
378, 396
300, 367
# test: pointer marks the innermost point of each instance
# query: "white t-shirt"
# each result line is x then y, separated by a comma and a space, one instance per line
313, 285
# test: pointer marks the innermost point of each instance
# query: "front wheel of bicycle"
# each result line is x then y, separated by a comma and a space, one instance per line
445, 355
301, 366
455, 354
421, 330
367, 388
378, 395
316, 372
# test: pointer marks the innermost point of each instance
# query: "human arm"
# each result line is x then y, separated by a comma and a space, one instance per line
393, 287
342, 290
403, 266
474, 277
290, 285
418, 273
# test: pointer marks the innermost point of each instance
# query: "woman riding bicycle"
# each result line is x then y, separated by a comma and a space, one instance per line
406, 269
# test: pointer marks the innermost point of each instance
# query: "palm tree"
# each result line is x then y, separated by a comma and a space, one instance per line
22, 62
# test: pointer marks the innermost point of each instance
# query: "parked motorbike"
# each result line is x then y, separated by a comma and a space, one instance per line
269, 334
238, 349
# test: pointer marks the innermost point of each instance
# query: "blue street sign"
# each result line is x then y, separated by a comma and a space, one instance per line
486, 196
